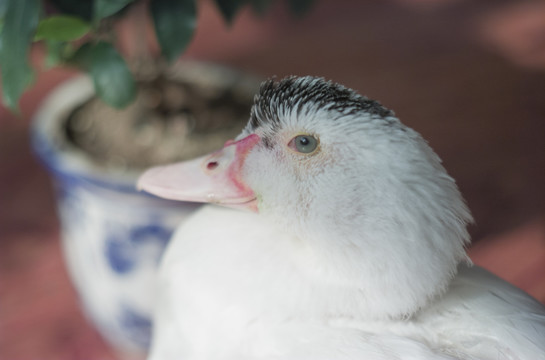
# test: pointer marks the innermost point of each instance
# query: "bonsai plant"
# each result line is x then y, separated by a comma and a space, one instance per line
83, 34
97, 132
80, 33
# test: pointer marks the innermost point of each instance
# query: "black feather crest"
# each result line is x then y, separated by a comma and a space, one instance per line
297, 93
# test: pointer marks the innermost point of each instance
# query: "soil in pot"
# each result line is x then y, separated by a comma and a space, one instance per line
182, 113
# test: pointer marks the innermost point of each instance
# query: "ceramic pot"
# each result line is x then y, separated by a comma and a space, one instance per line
112, 235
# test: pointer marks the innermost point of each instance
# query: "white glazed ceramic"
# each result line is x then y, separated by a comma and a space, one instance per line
112, 235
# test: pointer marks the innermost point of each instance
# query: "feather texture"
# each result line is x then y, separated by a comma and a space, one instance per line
357, 250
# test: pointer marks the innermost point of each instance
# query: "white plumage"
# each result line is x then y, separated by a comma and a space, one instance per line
355, 248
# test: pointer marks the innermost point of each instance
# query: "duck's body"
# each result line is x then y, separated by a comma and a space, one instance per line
228, 291
354, 252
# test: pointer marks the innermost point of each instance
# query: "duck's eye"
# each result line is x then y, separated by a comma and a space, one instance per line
303, 143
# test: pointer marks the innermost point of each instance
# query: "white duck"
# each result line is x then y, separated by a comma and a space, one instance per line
354, 248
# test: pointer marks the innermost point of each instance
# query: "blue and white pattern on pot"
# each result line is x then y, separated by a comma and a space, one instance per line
140, 245
113, 242
137, 326
133, 253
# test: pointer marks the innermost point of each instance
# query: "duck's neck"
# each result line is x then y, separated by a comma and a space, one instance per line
377, 271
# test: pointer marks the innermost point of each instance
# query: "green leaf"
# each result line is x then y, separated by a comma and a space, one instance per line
229, 8
105, 8
61, 28
113, 81
3, 7
175, 22
20, 21
58, 53
300, 7
55, 52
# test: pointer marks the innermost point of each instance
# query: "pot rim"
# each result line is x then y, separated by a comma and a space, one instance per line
63, 159
70, 163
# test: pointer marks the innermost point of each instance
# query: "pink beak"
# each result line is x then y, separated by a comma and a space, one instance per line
214, 178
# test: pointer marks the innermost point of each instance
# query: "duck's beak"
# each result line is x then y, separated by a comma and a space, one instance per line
214, 178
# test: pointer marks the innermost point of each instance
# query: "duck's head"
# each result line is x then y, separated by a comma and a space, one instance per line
342, 174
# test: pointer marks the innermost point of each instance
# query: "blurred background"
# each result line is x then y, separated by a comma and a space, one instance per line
468, 75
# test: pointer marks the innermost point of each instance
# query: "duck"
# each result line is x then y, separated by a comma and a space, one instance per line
333, 231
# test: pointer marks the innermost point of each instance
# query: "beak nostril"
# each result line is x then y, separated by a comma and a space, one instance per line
212, 165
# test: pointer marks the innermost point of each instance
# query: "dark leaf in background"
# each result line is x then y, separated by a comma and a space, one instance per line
261, 6
3, 6
300, 7
80, 8
20, 22
175, 22
105, 8
113, 81
229, 8
61, 28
